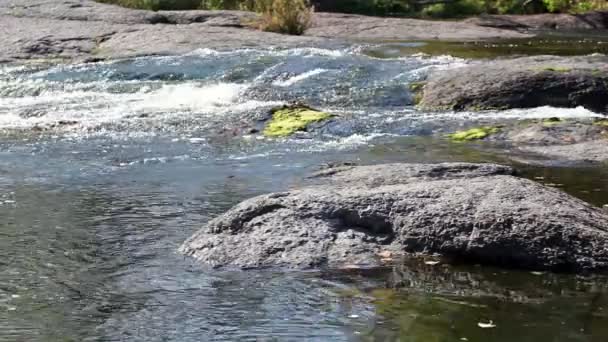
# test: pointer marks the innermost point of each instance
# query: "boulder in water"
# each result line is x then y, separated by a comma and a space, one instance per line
521, 83
357, 215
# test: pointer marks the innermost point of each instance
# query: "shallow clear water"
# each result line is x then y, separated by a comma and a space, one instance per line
106, 168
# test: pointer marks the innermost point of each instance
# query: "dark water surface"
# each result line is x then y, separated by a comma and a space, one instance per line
582, 43
106, 168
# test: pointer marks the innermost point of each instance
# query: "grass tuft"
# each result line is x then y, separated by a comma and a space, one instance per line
286, 16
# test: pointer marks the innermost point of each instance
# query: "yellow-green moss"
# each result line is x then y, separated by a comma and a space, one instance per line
551, 122
416, 86
601, 122
416, 89
286, 121
473, 133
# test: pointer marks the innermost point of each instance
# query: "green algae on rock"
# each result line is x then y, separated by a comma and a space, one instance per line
416, 90
290, 119
476, 133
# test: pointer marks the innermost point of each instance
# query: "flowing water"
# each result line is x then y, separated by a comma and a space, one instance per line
106, 168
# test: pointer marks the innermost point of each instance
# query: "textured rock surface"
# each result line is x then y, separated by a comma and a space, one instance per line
359, 215
84, 29
558, 140
521, 83
587, 151
348, 26
584, 21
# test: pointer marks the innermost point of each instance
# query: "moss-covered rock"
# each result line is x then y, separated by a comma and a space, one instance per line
290, 119
476, 133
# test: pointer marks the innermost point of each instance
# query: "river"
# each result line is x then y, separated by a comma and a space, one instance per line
106, 168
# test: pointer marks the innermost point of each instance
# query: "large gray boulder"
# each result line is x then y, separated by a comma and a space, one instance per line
365, 215
521, 83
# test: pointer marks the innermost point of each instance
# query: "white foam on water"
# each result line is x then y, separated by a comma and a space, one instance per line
345, 143
279, 52
310, 52
543, 112
189, 96
295, 79
91, 108
434, 63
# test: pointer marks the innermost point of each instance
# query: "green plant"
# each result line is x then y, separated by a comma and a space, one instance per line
557, 5
286, 16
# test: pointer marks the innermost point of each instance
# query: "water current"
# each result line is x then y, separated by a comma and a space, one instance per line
105, 168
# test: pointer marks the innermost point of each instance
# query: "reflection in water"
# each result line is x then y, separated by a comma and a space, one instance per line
91, 214
94, 259
446, 303
584, 44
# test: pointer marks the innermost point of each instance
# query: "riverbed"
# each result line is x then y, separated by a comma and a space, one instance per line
106, 168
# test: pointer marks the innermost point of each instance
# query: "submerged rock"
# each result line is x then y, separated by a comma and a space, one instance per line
521, 83
357, 215
290, 119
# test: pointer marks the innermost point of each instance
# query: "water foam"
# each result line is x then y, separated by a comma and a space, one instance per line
91, 108
543, 112
188, 96
295, 79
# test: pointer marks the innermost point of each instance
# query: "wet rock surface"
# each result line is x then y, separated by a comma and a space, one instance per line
521, 83
363, 215
553, 139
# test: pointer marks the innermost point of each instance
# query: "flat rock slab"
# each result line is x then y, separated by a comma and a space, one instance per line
588, 151
367, 215
521, 83
554, 140
87, 30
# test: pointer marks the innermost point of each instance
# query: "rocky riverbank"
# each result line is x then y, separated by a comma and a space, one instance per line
370, 215
86, 30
